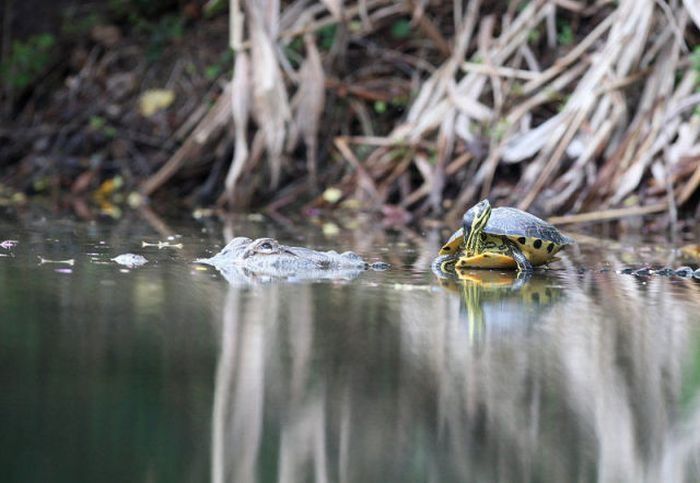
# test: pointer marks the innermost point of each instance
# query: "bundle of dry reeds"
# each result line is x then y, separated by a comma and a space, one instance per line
559, 106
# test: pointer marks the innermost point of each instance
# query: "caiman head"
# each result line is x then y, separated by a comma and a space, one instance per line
263, 247
244, 250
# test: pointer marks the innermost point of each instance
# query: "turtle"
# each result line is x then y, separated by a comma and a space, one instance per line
502, 237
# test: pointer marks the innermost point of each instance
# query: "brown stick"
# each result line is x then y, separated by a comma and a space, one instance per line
606, 215
217, 116
691, 185
365, 180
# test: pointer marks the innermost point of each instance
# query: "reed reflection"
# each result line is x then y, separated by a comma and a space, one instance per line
567, 376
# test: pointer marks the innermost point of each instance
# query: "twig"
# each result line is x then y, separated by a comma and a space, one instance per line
606, 215
691, 186
349, 12
499, 71
215, 118
364, 178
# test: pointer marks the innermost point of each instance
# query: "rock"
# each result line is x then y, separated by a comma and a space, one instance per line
379, 266
666, 271
684, 272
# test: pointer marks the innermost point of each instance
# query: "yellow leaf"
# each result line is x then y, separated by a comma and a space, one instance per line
154, 100
332, 195
330, 229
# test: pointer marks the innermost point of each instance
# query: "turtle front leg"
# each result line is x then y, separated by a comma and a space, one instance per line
523, 263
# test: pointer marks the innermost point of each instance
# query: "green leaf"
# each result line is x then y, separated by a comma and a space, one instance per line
566, 35
212, 72
97, 122
327, 37
401, 29
695, 59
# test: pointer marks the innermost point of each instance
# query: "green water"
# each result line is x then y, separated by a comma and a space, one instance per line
168, 373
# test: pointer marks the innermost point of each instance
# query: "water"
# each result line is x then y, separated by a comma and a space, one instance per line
168, 373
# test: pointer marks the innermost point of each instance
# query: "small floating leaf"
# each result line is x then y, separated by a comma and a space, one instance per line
161, 244
8, 244
130, 260
65, 262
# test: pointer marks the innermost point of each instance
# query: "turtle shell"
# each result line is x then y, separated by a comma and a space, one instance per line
517, 225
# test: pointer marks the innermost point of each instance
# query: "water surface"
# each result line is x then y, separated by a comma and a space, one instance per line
166, 372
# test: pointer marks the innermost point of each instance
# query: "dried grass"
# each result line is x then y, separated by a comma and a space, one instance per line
601, 119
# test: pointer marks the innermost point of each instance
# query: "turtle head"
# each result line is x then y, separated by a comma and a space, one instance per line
473, 223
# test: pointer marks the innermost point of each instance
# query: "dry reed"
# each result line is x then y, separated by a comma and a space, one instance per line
558, 106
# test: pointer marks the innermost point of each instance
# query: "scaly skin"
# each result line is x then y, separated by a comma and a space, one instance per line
478, 242
268, 257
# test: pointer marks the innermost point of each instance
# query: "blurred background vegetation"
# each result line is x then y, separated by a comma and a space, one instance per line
408, 109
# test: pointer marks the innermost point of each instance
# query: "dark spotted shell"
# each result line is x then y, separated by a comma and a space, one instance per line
513, 222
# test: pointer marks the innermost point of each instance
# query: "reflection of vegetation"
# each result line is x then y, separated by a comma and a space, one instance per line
691, 381
98, 381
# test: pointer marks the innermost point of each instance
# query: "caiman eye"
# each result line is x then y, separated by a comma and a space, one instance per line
266, 246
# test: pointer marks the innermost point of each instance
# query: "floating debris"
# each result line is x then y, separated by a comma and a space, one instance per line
161, 244
130, 260
64, 270
8, 244
42, 261
202, 213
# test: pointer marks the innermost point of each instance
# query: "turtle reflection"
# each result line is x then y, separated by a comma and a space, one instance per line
498, 302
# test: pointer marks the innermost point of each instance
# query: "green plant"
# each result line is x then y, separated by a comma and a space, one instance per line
27, 60
224, 64
326, 37
379, 107
99, 124
401, 29
77, 25
533, 36
695, 59
168, 29
695, 63
565, 35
